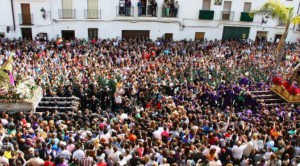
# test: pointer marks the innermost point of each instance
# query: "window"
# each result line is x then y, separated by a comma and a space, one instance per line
247, 7
67, 12
67, 4
92, 11
227, 6
206, 4
92, 4
93, 33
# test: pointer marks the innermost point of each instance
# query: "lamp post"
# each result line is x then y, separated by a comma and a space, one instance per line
265, 19
43, 12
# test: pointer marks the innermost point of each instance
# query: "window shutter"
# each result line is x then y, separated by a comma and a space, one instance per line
92, 4
67, 4
206, 4
247, 7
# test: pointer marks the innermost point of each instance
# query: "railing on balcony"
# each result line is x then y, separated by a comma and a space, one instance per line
227, 15
206, 14
169, 12
26, 19
92, 13
125, 11
67, 13
246, 17
147, 11
281, 24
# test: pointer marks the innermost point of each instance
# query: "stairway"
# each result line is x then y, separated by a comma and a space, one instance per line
61, 104
267, 98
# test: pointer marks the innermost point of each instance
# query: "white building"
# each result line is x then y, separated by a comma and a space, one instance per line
196, 19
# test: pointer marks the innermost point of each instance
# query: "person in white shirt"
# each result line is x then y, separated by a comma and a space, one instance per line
3, 160
36, 160
122, 161
114, 156
268, 154
237, 150
104, 138
78, 154
127, 156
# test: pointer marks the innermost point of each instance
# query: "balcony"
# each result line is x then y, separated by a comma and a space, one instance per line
147, 12
227, 15
92, 14
245, 17
26, 19
167, 12
206, 14
67, 13
281, 24
125, 11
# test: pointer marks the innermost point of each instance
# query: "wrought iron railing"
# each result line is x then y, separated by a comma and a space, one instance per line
67, 13
227, 15
92, 13
26, 19
124, 11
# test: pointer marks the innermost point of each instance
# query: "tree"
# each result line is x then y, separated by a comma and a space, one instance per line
282, 13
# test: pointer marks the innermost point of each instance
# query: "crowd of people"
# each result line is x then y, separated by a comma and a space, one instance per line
150, 103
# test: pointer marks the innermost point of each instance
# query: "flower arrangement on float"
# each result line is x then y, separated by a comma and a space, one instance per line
286, 90
25, 90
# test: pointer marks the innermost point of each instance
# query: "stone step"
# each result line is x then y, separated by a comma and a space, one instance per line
260, 92
271, 101
274, 104
265, 96
60, 98
54, 108
63, 103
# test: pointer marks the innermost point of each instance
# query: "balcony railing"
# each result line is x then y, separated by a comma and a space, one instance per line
206, 14
92, 13
26, 19
169, 12
227, 15
281, 24
125, 11
245, 17
67, 13
147, 11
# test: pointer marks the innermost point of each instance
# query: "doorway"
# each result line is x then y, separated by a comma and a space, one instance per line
168, 36
235, 33
199, 35
277, 37
261, 36
26, 16
126, 34
68, 34
26, 33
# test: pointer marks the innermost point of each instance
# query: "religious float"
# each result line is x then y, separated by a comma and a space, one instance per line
17, 95
289, 89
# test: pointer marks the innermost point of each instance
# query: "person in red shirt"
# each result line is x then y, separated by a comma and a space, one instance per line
165, 135
101, 162
48, 162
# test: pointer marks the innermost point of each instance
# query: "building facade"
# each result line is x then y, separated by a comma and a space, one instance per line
177, 19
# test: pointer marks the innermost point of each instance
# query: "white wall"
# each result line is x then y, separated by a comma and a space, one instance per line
111, 26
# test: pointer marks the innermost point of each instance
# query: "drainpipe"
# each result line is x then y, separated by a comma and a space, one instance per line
13, 14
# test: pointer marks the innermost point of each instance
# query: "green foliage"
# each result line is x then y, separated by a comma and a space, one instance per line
275, 10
